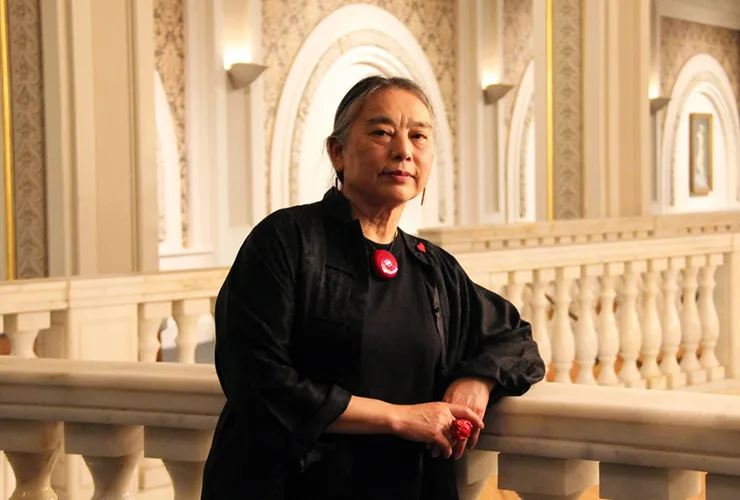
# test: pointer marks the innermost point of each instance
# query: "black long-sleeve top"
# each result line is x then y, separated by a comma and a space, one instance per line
290, 321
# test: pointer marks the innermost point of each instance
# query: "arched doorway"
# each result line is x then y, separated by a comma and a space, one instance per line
702, 88
351, 43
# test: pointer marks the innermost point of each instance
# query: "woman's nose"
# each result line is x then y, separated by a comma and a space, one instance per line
401, 149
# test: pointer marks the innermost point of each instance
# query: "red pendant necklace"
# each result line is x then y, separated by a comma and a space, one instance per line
384, 264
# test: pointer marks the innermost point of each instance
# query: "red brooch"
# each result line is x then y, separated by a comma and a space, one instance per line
384, 264
420, 247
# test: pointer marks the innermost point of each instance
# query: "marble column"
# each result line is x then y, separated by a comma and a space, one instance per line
100, 134
594, 89
480, 132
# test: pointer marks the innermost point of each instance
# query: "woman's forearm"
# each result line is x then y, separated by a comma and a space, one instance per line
366, 416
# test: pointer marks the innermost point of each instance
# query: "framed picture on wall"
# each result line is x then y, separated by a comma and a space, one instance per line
701, 168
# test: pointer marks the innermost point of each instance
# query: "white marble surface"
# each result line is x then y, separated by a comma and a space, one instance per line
153, 394
638, 427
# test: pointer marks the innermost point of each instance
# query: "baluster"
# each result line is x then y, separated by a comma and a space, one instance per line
630, 337
473, 472
152, 473
111, 452
587, 344
709, 319
630, 482
184, 453
22, 330
563, 343
151, 316
539, 478
651, 333
671, 326
515, 287
722, 487
607, 326
541, 279
690, 324
186, 314
32, 449
497, 283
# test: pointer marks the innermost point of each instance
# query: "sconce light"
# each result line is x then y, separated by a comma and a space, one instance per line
658, 103
242, 74
496, 91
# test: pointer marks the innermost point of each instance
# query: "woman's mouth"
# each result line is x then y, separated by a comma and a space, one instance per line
399, 174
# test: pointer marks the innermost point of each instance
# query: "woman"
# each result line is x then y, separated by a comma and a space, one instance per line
344, 367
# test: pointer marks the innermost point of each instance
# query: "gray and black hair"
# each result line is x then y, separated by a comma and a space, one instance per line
353, 101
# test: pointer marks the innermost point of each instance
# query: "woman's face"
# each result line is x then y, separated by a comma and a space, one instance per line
389, 150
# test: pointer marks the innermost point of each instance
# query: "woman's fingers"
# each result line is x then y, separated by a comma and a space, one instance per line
459, 449
473, 440
459, 411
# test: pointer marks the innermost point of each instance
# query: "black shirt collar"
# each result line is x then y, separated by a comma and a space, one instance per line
336, 206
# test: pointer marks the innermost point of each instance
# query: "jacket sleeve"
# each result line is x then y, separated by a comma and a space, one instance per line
254, 317
496, 343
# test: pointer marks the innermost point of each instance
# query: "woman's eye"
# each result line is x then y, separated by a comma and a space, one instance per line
418, 136
381, 133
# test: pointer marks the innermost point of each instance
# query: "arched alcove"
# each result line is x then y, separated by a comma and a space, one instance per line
702, 88
520, 153
350, 43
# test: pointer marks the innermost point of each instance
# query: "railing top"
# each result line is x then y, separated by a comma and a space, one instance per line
671, 429
157, 394
472, 238
590, 254
53, 294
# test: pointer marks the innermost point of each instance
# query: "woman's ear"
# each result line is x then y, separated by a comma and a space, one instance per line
334, 149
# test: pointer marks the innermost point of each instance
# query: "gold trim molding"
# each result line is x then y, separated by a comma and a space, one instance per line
7, 126
549, 111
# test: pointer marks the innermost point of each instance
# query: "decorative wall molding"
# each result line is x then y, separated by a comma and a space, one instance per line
517, 48
702, 73
567, 109
168, 172
368, 33
169, 47
681, 40
27, 96
285, 29
520, 182
720, 13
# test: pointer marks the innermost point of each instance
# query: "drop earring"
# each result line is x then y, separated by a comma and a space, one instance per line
423, 195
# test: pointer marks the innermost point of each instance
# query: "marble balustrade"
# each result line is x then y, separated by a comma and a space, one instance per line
554, 443
658, 313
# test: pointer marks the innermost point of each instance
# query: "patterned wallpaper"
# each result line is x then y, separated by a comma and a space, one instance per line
681, 40
169, 53
287, 23
27, 95
517, 48
567, 109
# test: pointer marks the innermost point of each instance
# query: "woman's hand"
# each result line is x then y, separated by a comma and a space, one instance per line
472, 393
431, 423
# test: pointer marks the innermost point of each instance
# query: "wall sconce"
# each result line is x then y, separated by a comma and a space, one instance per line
495, 92
242, 74
658, 103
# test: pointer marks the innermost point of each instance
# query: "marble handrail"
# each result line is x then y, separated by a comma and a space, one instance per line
554, 233
559, 432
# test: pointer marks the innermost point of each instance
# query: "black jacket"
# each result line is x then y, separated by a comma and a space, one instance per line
289, 323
